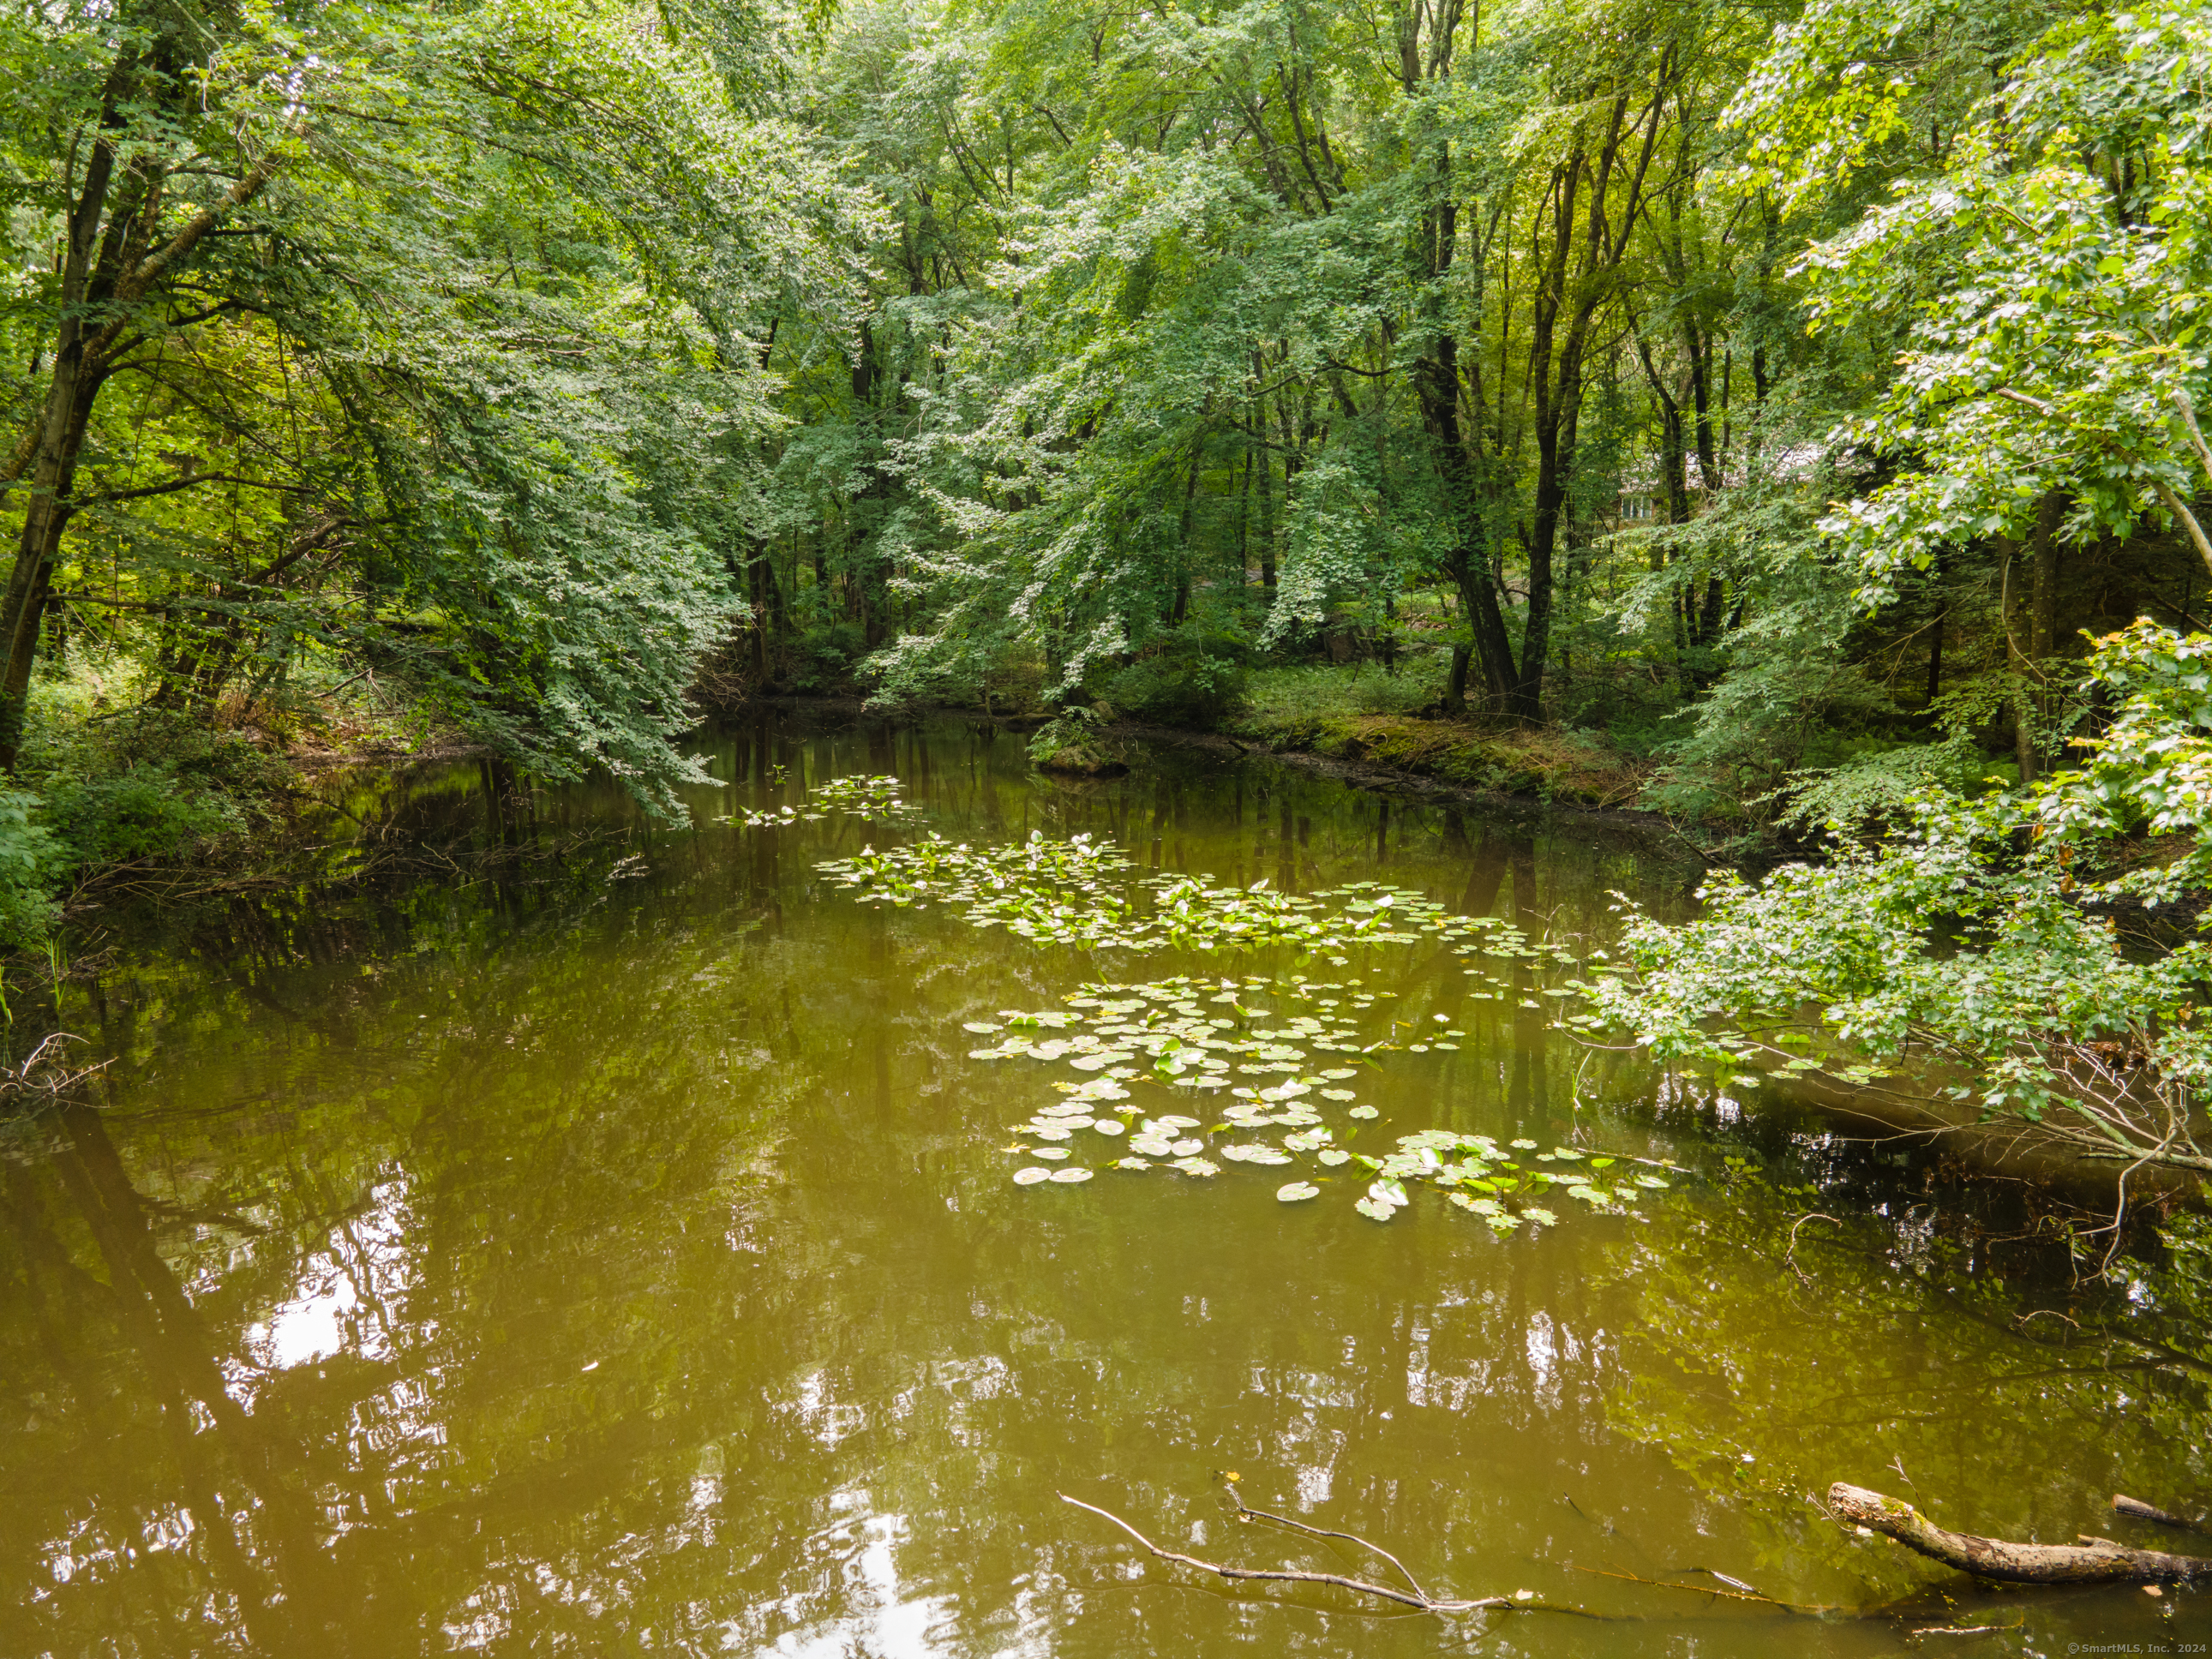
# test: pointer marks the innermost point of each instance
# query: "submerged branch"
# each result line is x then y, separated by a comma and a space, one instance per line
1245, 1511
2140, 1510
1522, 1603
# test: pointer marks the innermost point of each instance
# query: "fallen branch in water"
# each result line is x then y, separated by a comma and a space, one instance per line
1246, 1512
1523, 1601
2143, 1511
2099, 1562
1790, 1260
1746, 1594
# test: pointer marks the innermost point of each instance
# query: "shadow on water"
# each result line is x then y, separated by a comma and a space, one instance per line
559, 1232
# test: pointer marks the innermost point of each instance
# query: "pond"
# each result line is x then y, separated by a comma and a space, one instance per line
604, 1239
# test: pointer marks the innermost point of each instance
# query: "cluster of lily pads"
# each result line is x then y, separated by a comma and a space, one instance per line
1052, 891
1203, 1036
1197, 1034
1070, 892
871, 800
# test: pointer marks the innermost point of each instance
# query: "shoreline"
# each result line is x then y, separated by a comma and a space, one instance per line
1368, 766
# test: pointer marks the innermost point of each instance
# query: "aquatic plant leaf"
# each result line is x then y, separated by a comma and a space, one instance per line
1333, 1156
1071, 1176
1197, 1166
1296, 1192
1363, 1112
1030, 1176
1254, 1154
1374, 1210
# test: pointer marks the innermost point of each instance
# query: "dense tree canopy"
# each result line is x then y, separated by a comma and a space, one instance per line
1766, 391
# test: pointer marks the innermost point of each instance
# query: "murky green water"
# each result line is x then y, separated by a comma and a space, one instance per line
621, 1256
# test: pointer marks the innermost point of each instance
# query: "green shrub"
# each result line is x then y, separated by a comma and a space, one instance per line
823, 656
1193, 676
149, 783
1182, 689
30, 863
1301, 700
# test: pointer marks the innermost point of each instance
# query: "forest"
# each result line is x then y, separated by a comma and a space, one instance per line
1765, 399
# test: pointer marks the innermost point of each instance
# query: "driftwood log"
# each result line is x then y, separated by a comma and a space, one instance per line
2098, 1562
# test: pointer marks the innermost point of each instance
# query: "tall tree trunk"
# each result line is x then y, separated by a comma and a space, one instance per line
104, 271
64, 418
1436, 383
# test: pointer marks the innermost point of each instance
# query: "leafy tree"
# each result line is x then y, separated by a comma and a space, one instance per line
443, 328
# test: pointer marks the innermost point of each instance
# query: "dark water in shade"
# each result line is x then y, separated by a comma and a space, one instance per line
619, 1256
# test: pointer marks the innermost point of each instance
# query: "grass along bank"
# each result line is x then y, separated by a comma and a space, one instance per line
1361, 713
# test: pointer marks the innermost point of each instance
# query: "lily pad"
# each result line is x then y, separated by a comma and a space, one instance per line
1131, 1163
982, 1026
1337, 1094
1030, 1176
1197, 1166
1051, 1131
1541, 1217
1107, 1126
1189, 1147
1296, 1191
1071, 1176
1255, 1154
1363, 1111
1374, 1210
1053, 1152
1333, 1156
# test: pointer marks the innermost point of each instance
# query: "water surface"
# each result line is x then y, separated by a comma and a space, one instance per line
618, 1254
